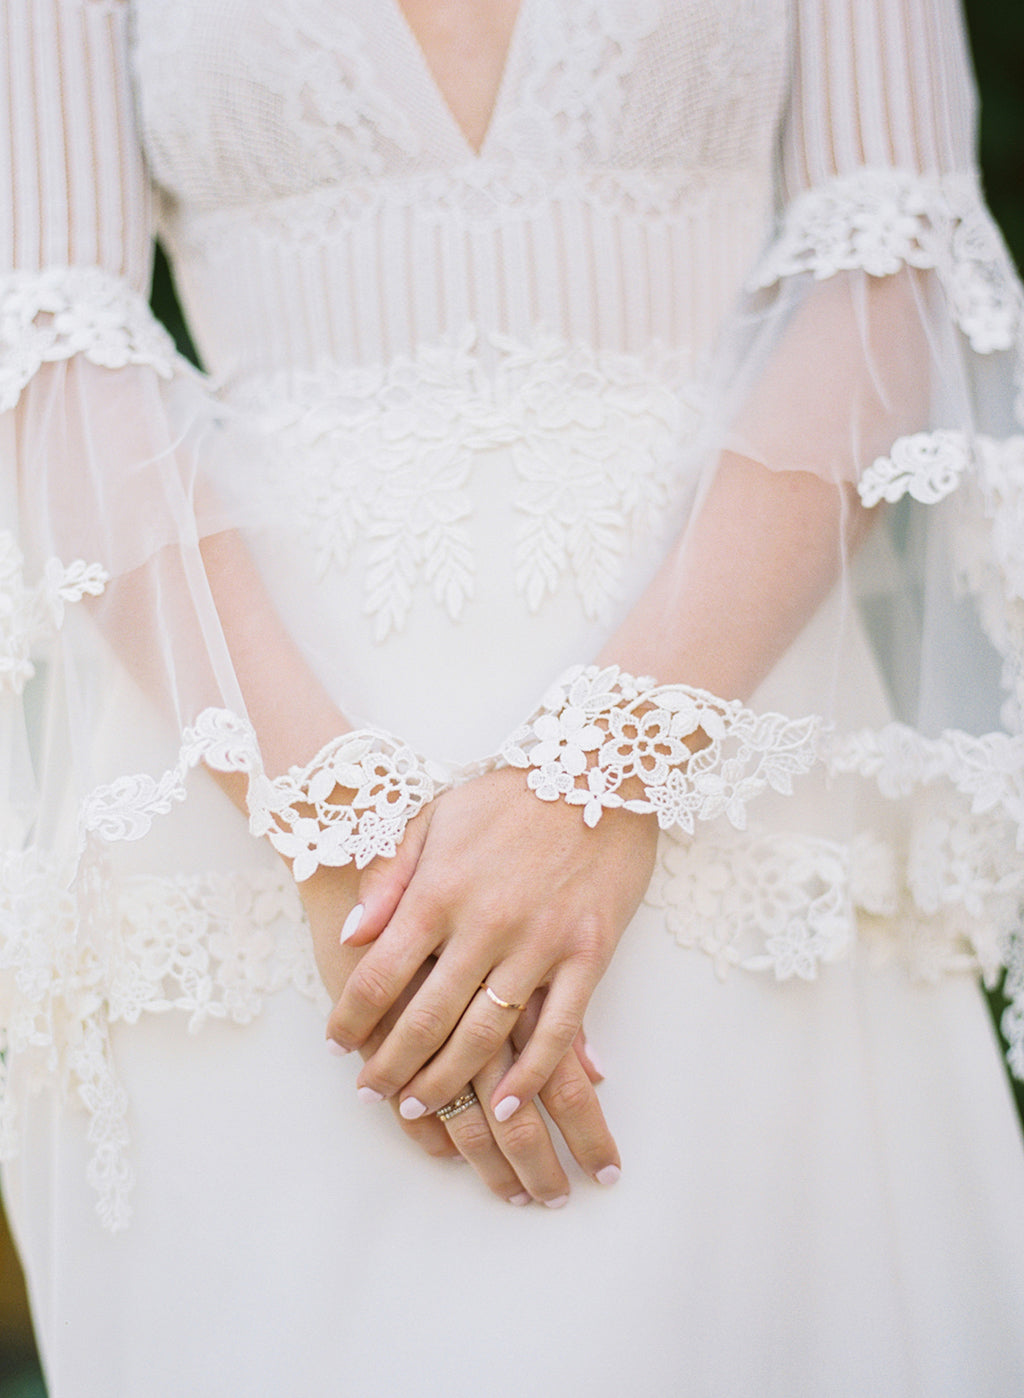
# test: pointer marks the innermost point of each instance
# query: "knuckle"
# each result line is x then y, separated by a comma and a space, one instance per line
482, 1037
370, 988
590, 944
561, 1029
522, 1137
569, 1097
424, 1024
473, 1138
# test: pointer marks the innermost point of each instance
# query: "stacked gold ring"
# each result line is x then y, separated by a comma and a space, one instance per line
462, 1103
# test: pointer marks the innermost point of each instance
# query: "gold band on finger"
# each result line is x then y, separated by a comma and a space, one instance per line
497, 1000
462, 1103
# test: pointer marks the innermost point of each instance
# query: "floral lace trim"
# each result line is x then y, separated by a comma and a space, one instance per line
31, 615
988, 770
64, 311
599, 442
988, 529
306, 819
599, 730
878, 221
79, 956
790, 904
328, 82
571, 96
80, 952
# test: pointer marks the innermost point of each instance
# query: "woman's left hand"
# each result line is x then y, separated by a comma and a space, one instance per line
511, 892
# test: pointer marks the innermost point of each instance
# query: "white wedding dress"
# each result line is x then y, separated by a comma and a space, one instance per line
461, 404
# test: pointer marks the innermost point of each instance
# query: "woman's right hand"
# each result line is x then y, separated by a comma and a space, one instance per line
517, 1160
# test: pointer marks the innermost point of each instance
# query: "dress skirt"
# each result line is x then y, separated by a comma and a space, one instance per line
823, 1176
822, 1193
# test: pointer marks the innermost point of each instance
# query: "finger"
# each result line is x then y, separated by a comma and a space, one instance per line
455, 1056
442, 1013
381, 886
384, 971
585, 1053
430, 1135
556, 1029
571, 1102
525, 1142
471, 1135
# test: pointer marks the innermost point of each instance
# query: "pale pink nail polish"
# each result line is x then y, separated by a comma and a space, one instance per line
339, 1050
412, 1109
507, 1107
350, 926
608, 1175
520, 1200
558, 1203
368, 1095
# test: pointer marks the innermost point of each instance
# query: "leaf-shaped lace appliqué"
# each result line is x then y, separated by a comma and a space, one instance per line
391, 455
64, 311
30, 615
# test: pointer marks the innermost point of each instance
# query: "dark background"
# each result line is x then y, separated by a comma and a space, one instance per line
997, 37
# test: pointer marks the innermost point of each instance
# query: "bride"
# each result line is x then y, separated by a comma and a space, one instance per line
574, 627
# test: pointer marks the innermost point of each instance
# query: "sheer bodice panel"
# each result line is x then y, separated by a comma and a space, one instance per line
322, 202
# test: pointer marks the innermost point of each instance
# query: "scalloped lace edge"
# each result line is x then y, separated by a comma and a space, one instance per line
80, 953
61, 312
32, 615
878, 221
985, 475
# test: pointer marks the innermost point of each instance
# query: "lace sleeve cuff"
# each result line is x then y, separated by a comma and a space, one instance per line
601, 732
349, 804
64, 311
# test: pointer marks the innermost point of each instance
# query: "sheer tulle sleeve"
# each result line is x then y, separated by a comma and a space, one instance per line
858, 555
135, 648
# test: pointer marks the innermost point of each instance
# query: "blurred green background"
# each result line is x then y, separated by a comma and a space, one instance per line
997, 37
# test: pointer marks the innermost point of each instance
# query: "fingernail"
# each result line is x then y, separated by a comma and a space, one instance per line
339, 1050
368, 1095
412, 1109
519, 1200
558, 1203
506, 1107
608, 1175
350, 926
595, 1061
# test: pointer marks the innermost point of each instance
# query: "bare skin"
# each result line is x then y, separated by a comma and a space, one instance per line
465, 44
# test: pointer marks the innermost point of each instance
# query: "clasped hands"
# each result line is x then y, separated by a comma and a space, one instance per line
489, 886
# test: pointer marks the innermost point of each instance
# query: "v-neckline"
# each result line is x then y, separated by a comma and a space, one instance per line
470, 151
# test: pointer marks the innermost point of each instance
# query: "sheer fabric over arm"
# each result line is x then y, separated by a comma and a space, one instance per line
136, 642
857, 541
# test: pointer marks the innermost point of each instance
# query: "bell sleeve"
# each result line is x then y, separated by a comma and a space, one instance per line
136, 648
854, 567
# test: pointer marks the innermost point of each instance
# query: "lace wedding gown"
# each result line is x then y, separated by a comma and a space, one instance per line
460, 405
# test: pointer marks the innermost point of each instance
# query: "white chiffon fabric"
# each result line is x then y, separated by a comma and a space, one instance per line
460, 406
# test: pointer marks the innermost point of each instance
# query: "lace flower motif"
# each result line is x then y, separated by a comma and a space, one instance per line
878, 221
29, 615
63, 311
599, 729
349, 804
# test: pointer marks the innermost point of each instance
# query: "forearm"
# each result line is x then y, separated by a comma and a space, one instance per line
761, 553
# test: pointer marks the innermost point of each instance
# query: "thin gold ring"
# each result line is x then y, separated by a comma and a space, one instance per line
462, 1103
497, 1000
